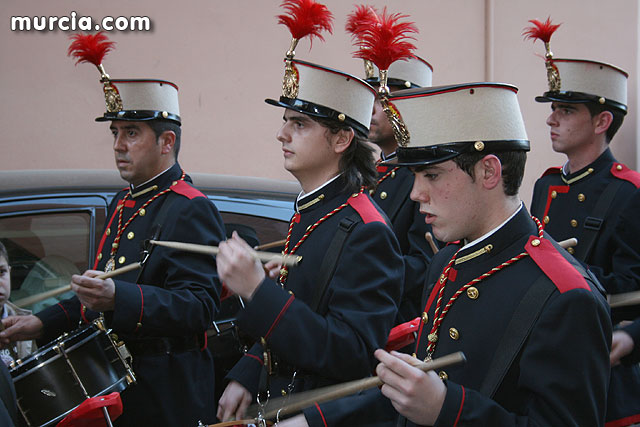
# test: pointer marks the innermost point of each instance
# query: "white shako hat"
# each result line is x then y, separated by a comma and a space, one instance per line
405, 74
589, 81
445, 121
145, 99
323, 92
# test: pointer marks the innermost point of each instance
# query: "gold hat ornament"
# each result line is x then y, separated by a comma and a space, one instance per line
304, 18
543, 31
92, 48
579, 80
316, 90
384, 39
126, 99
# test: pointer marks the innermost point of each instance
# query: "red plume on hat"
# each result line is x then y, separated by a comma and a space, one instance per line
92, 48
357, 21
360, 19
306, 18
303, 18
543, 31
383, 41
540, 30
386, 40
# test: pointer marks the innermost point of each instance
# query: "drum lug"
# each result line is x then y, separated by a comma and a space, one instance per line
131, 379
99, 322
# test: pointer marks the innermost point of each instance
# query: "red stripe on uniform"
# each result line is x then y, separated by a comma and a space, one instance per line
557, 189
66, 313
104, 237
141, 308
275, 322
432, 297
254, 357
321, 414
460, 410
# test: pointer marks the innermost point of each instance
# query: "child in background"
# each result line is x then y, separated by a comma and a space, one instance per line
19, 349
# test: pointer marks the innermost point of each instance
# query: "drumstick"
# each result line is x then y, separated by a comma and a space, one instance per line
624, 299
296, 402
61, 290
270, 245
431, 242
244, 422
289, 260
568, 243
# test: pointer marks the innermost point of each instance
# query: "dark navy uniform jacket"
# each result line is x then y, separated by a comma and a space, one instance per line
392, 195
163, 316
336, 342
559, 376
563, 202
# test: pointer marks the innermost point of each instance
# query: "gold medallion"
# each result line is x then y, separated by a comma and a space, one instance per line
110, 265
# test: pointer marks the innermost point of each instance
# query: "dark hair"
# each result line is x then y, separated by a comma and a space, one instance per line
513, 163
3, 252
160, 126
356, 164
618, 117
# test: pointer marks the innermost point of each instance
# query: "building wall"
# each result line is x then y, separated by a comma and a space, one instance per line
226, 57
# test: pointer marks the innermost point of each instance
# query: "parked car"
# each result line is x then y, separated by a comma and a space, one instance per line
51, 221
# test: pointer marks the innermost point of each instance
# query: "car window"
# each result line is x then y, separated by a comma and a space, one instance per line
44, 251
256, 230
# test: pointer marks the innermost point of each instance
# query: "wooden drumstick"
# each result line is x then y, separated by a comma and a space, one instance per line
568, 243
624, 299
296, 402
61, 290
288, 260
431, 242
244, 422
270, 245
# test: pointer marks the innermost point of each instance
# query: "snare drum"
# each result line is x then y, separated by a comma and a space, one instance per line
58, 377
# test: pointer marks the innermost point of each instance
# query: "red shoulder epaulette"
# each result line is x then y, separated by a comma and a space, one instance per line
363, 205
185, 189
554, 265
622, 172
553, 170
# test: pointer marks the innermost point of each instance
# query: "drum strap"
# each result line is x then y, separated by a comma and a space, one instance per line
327, 270
593, 223
516, 333
330, 261
169, 199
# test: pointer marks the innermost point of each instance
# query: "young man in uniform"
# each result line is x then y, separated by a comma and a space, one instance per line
594, 198
392, 188
162, 311
533, 326
319, 322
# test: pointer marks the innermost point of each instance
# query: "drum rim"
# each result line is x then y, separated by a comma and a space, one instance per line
56, 355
